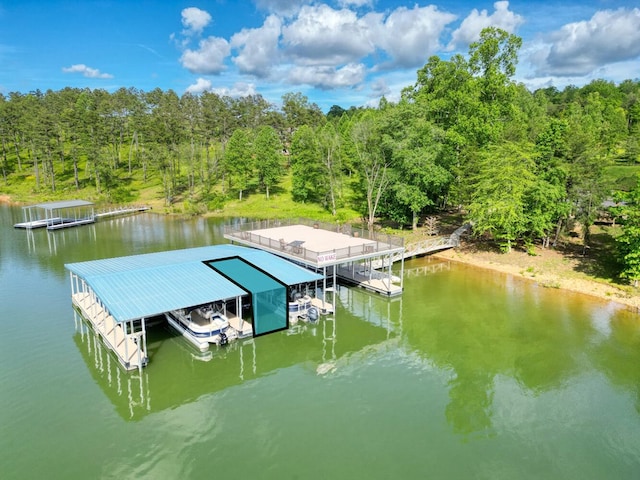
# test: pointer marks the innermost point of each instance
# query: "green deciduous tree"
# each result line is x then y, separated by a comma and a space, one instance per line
267, 151
414, 145
628, 242
372, 164
499, 201
306, 167
238, 162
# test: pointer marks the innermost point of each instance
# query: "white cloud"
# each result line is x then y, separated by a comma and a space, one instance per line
320, 45
239, 89
321, 36
470, 28
201, 85
86, 71
209, 58
355, 3
258, 48
194, 20
327, 77
409, 36
580, 48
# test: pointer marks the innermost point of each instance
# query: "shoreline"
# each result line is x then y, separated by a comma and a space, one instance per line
548, 268
539, 269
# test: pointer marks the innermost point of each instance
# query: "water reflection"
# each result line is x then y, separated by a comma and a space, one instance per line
112, 237
178, 374
498, 326
481, 333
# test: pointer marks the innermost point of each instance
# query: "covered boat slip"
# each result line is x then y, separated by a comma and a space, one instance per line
121, 294
268, 296
335, 251
56, 215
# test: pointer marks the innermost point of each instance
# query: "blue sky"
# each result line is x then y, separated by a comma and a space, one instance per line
344, 52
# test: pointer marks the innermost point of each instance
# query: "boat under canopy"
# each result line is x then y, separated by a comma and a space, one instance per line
117, 295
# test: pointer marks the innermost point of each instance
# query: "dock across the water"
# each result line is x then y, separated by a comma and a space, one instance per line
69, 213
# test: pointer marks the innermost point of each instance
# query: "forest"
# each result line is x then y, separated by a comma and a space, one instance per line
521, 165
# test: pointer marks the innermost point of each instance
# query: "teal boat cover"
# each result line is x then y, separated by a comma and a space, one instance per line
268, 296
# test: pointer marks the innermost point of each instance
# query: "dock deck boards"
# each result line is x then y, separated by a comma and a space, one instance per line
244, 330
112, 332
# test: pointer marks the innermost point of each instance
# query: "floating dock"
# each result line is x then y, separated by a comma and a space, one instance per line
69, 213
56, 215
335, 251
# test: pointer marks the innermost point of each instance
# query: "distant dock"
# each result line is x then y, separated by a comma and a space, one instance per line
68, 213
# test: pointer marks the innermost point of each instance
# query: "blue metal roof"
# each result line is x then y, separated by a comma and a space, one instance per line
142, 286
63, 204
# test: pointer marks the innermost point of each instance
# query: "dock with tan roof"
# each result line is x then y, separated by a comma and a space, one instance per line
336, 251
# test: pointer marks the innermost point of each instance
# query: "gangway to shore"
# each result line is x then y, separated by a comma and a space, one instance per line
424, 247
118, 211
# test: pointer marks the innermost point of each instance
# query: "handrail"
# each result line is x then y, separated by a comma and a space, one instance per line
245, 231
346, 228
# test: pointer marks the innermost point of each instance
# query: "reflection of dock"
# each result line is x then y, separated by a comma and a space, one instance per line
131, 389
427, 269
181, 375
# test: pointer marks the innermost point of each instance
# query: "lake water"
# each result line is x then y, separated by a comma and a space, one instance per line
469, 374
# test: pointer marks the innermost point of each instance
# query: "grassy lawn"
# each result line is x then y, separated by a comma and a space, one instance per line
622, 177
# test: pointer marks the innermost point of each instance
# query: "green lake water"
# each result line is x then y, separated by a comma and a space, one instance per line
468, 375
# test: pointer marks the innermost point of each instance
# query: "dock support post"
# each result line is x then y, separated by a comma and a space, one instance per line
144, 339
125, 332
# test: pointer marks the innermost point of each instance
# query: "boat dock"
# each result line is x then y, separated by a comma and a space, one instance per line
56, 215
69, 213
335, 251
118, 295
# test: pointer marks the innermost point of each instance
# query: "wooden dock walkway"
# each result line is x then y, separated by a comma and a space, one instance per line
374, 281
124, 345
117, 211
425, 247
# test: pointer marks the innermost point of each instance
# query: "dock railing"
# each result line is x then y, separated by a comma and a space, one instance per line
383, 242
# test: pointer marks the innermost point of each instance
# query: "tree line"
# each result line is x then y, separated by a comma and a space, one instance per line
521, 164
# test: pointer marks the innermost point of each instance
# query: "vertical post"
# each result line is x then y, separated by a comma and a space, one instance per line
139, 359
334, 282
324, 285
239, 313
144, 337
